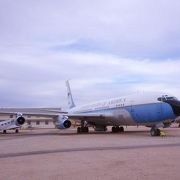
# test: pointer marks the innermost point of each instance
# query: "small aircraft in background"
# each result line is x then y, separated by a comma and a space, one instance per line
12, 123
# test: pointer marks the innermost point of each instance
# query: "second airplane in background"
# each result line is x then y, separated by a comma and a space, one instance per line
12, 123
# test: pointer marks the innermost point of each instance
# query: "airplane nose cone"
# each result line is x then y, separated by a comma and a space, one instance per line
175, 104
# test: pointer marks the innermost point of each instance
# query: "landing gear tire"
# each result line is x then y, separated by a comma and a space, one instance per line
16, 131
105, 129
82, 130
155, 132
78, 130
158, 132
121, 129
86, 129
4, 131
116, 129
113, 129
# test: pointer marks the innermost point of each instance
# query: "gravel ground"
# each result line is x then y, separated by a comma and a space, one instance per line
53, 154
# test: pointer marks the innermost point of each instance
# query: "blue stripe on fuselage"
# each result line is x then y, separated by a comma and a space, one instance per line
147, 113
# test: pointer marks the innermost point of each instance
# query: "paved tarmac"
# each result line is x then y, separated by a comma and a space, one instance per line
62, 155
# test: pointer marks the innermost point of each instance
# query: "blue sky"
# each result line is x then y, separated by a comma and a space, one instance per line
106, 48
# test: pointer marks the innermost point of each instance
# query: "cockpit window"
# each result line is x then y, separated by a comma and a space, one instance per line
166, 97
171, 98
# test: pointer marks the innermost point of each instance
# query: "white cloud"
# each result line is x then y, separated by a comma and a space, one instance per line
129, 28
94, 76
106, 49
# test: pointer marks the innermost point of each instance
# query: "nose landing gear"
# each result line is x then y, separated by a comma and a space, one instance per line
155, 131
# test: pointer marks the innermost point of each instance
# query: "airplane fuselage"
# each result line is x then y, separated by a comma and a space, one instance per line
12, 123
139, 109
7, 124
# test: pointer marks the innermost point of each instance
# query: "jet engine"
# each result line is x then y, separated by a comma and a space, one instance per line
20, 120
62, 122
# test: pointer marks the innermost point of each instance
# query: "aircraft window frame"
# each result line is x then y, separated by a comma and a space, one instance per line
171, 98
166, 98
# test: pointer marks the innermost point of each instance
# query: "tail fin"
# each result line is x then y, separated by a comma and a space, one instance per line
69, 94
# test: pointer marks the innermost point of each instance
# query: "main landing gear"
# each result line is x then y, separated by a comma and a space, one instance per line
116, 129
155, 131
4, 131
83, 128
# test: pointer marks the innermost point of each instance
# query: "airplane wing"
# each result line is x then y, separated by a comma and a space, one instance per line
83, 116
31, 114
44, 112
54, 113
61, 118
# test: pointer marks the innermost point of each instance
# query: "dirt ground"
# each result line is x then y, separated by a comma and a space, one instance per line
62, 155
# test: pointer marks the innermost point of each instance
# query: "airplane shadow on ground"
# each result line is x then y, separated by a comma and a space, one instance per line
142, 133
30, 134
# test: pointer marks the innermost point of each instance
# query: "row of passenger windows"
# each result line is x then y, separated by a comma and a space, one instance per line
6, 123
29, 123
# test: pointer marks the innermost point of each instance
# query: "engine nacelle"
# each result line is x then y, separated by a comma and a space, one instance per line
20, 121
62, 122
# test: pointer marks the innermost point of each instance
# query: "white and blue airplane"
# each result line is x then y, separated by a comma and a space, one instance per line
154, 110
12, 123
